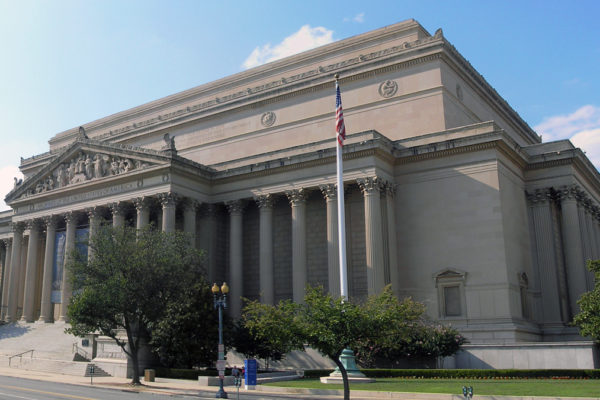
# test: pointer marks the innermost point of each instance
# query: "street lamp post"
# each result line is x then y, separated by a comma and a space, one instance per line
220, 302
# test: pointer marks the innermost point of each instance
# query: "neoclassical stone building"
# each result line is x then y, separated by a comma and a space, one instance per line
450, 196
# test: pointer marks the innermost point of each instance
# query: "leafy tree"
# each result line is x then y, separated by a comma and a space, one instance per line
330, 324
187, 333
588, 319
271, 330
127, 283
251, 347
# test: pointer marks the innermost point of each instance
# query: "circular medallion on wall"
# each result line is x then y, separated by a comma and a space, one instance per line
388, 88
268, 119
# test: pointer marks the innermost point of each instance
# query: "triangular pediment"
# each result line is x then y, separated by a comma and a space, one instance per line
88, 160
449, 273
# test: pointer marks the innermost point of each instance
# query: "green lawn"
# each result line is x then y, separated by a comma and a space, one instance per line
508, 387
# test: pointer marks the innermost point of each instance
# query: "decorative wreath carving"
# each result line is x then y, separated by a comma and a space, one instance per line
388, 88
268, 119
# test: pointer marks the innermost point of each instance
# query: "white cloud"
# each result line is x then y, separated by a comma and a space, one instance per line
305, 39
358, 18
7, 183
582, 127
589, 141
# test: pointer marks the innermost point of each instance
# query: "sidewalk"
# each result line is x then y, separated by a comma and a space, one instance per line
189, 387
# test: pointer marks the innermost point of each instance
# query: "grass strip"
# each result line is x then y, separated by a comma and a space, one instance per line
499, 387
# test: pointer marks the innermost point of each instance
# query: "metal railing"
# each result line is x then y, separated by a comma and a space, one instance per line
81, 352
20, 355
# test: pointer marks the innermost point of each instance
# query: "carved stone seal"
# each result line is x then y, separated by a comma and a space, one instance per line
268, 119
388, 88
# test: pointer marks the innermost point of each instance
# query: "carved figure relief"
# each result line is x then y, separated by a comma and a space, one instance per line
84, 167
388, 88
268, 119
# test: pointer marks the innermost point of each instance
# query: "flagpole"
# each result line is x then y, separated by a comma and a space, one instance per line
341, 213
347, 357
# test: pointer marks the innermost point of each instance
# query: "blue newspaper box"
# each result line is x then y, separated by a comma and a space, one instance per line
250, 368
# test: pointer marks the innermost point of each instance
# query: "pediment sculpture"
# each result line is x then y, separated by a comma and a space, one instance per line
84, 167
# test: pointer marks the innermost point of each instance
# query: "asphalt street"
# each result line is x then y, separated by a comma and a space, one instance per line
27, 389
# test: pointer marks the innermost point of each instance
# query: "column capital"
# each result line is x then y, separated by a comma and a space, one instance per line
264, 201
235, 206
34, 224
142, 203
389, 188
168, 199
50, 221
189, 204
572, 192
329, 191
18, 227
540, 196
296, 196
370, 184
94, 212
7, 242
71, 217
117, 208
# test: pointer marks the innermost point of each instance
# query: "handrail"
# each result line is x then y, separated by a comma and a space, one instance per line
20, 355
79, 350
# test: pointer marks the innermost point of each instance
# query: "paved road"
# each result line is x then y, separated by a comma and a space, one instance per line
12, 388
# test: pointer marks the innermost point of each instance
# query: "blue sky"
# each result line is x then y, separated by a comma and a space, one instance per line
66, 63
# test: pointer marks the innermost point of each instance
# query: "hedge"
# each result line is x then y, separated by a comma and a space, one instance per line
467, 373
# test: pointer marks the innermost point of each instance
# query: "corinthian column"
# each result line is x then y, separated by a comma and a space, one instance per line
208, 232
333, 257
66, 292
554, 302
142, 207
573, 247
118, 214
94, 218
189, 219
15, 266
31, 271
297, 200
371, 188
267, 289
392, 243
168, 202
6, 282
46, 304
236, 278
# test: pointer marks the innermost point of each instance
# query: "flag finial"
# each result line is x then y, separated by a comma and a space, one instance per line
336, 76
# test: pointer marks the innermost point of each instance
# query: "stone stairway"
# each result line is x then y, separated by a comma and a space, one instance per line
42, 347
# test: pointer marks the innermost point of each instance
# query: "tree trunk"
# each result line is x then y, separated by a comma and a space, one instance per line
339, 364
133, 349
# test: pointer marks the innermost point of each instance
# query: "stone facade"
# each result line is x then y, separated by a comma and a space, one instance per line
450, 196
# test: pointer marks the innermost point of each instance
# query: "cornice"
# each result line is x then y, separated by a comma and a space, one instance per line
374, 148
321, 75
576, 159
498, 141
451, 55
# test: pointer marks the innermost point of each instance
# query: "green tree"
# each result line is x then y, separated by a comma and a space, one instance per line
128, 282
330, 324
187, 333
251, 347
588, 319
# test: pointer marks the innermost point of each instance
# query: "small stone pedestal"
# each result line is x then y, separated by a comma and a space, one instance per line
354, 374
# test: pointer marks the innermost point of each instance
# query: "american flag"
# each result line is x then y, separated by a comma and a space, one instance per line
340, 128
